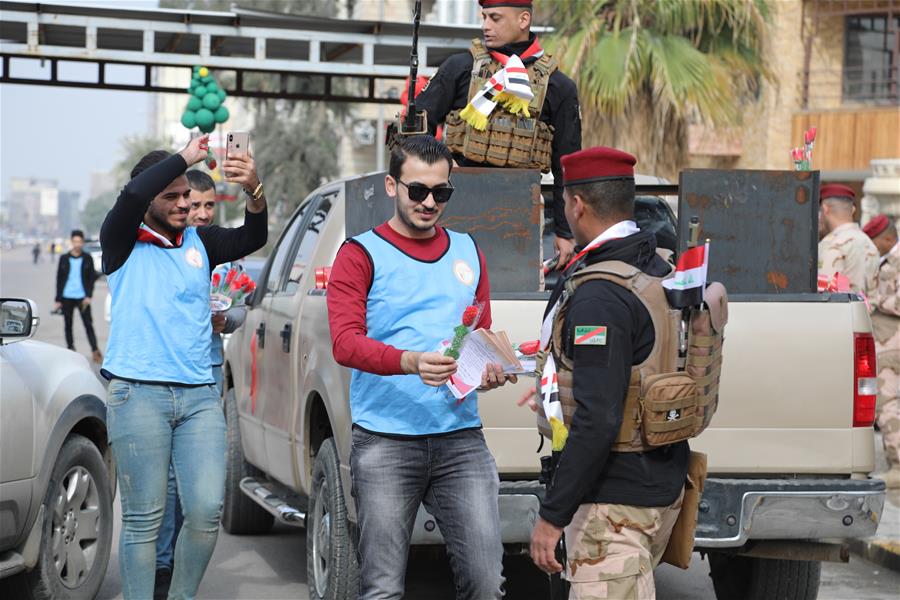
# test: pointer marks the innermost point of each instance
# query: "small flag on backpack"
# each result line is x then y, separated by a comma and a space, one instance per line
686, 288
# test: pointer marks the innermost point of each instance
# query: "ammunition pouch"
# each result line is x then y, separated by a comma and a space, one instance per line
509, 141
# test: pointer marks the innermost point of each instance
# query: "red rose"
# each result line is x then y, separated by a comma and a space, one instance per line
469, 316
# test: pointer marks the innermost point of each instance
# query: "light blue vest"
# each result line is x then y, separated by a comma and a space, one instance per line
74, 288
414, 305
160, 329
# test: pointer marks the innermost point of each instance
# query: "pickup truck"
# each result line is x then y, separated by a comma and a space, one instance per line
789, 448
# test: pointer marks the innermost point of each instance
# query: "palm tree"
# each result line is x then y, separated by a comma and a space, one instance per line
645, 69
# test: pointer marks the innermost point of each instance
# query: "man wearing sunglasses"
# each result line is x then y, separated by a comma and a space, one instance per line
394, 294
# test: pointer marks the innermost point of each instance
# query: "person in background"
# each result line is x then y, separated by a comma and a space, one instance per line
36, 252
845, 249
886, 329
554, 111
75, 277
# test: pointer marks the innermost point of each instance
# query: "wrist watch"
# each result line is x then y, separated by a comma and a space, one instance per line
257, 193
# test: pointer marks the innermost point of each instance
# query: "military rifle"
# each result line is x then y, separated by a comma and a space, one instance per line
414, 122
559, 588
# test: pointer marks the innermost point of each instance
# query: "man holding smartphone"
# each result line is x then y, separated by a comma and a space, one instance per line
162, 404
202, 213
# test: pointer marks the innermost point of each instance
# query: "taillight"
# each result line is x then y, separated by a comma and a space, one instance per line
322, 275
865, 375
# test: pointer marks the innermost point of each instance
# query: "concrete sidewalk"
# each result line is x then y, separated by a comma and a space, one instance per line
884, 547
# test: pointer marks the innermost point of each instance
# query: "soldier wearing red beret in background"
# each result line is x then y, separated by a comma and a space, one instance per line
479, 127
595, 332
845, 249
886, 328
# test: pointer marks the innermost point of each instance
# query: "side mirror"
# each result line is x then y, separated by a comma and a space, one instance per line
250, 298
17, 320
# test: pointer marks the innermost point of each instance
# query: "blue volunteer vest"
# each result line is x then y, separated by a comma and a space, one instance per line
160, 329
414, 305
74, 288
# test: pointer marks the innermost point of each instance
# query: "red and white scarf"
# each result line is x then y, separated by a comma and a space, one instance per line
145, 234
509, 86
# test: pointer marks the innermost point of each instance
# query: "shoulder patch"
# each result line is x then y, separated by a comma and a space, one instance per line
590, 335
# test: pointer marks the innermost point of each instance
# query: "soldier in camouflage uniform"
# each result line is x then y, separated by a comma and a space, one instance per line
886, 327
846, 249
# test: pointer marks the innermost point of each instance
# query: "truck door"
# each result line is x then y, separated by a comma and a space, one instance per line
281, 356
261, 335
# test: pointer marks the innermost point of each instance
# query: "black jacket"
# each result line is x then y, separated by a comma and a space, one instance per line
448, 90
119, 231
88, 274
587, 471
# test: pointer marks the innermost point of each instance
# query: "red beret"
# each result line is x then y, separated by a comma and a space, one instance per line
597, 164
876, 226
836, 190
499, 3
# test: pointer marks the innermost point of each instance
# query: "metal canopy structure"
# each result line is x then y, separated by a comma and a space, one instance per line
299, 57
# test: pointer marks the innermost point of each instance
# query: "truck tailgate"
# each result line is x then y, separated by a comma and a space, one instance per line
785, 401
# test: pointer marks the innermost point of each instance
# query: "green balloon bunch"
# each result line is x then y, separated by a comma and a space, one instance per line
206, 106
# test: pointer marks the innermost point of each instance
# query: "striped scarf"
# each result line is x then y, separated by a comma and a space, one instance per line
509, 86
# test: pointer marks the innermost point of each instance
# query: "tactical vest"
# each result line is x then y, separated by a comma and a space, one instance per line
670, 397
510, 140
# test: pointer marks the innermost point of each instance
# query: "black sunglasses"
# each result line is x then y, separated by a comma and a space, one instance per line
418, 192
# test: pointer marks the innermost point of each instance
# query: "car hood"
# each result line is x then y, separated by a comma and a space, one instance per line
49, 370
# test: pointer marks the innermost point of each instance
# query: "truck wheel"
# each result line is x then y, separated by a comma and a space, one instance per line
78, 524
240, 514
331, 567
747, 578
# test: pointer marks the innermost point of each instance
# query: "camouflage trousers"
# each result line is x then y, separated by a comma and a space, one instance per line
612, 549
889, 424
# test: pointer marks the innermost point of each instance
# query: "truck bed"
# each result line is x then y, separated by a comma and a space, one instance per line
785, 400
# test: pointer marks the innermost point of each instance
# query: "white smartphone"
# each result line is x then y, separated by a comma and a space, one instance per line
238, 143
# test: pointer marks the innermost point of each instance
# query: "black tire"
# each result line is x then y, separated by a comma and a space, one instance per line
746, 578
77, 529
332, 571
240, 514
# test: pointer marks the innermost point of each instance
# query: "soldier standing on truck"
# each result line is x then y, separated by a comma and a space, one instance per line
395, 292
886, 328
484, 133
846, 249
617, 506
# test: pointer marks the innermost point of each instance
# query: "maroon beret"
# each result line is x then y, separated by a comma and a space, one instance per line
836, 190
499, 3
597, 164
876, 226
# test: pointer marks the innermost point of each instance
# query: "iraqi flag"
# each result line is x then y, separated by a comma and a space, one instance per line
686, 288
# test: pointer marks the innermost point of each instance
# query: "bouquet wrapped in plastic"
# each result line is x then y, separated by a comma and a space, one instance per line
230, 289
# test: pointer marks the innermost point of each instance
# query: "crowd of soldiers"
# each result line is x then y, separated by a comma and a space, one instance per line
869, 258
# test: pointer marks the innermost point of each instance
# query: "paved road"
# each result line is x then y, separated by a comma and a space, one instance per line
273, 567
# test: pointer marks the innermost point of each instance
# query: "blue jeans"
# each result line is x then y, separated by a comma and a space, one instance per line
172, 516
150, 428
455, 476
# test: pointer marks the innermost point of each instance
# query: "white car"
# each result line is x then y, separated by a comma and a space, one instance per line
96, 251
57, 477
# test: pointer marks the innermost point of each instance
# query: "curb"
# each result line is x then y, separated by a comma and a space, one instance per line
881, 551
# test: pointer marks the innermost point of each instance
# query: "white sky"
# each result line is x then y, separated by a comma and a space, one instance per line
65, 133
